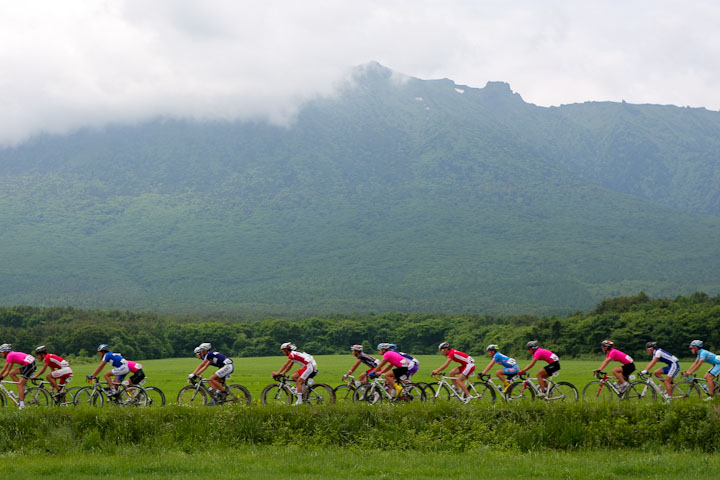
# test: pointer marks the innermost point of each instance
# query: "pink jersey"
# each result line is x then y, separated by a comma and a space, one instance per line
134, 366
545, 355
460, 357
395, 359
19, 358
54, 361
618, 356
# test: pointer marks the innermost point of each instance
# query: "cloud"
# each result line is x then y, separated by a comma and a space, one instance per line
75, 64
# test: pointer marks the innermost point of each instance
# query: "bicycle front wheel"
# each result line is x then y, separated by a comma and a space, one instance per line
520, 393
237, 395
36, 397
155, 397
483, 392
88, 397
344, 393
192, 396
684, 390
275, 394
319, 394
563, 392
369, 394
441, 393
640, 392
596, 392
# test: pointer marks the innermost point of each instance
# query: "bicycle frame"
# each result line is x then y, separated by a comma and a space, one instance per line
450, 384
9, 393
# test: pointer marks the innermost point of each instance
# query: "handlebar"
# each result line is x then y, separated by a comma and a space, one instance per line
279, 378
599, 373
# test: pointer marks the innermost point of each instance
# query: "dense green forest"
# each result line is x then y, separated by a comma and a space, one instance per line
629, 321
404, 196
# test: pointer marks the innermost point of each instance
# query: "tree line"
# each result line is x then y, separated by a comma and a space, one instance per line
628, 321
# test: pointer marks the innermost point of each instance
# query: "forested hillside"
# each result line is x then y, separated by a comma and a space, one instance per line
629, 321
394, 195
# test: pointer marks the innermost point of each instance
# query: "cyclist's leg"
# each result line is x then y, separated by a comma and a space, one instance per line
541, 376
50, 378
670, 372
710, 377
618, 372
363, 377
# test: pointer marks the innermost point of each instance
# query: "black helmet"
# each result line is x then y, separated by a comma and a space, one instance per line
41, 349
650, 345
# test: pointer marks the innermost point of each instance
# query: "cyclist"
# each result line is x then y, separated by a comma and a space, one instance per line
624, 370
60, 369
412, 369
362, 357
302, 376
394, 366
704, 356
553, 364
224, 365
462, 372
671, 369
121, 367
26, 367
509, 364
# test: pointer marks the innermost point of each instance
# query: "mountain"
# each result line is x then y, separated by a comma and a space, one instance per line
397, 194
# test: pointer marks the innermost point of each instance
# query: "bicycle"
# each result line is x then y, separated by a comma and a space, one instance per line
59, 398
284, 392
198, 393
444, 389
497, 389
528, 390
96, 395
344, 392
648, 389
604, 390
694, 387
34, 397
378, 390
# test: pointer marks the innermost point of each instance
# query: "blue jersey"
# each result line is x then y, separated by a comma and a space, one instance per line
664, 356
708, 357
504, 360
114, 359
217, 359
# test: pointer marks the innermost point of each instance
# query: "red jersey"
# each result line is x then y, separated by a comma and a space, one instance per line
53, 361
460, 357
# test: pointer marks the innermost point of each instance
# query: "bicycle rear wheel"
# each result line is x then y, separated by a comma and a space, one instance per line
132, 396
319, 394
369, 394
562, 392
596, 392
274, 394
88, 397
36, 397
237, 395
344, 393
155, 397
483, 393
519, 393
411, 393
192, 396
640, 391
684, 390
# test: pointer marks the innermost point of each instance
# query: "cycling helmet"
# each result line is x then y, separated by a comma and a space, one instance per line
356, 348
532, 344
5, 347
607, 344
491, 347
650, 345
103, 348
288, 346
383, 346
41, 349
694, 343
444, 345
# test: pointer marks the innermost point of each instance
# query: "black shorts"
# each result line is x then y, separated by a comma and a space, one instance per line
137, 377
400, 372
553, 367
627, 369
26, 371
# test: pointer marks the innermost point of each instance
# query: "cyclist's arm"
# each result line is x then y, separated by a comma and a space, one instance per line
487, 369
98, 369
530, 365
652, 362
695, 365
377, 369
37, 375
6, 369
604, 364
352, 369
284, 369
202, 367
441, 368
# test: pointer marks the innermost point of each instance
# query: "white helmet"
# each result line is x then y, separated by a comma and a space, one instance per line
203, 347
5, 347
288, 345
356, 348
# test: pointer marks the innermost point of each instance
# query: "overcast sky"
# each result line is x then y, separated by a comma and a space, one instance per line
75, 63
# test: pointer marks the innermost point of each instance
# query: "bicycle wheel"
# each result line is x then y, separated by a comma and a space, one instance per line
640, 391
88, 397
70, 393
344, 393
274, 394
519, 393
319, 394
192, 396
411, 393
132, 396
441, 393
686, 389
562, 392
237, 395
36, 397
483, 392
369, 394
3, 400
155, 397
595, 393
